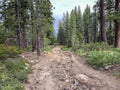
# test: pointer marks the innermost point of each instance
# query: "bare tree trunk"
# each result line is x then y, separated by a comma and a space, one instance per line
117, 25
95, 31
33, 26
18, 26
38, 44
102, 21
33, 41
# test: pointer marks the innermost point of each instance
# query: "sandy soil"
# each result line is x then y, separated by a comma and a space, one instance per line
61, 70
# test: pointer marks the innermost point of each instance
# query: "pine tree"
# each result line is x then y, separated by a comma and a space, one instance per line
79, 25
42, 21
31, 19
14, 14
95, 23
87, 24
61, 34
21, 16
109, 9
74, 38
67, 28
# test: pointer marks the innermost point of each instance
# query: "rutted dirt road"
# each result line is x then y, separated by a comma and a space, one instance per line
61, 70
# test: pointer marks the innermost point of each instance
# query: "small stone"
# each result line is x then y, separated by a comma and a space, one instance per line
82, 78
67, 81
60, 86
61, 79
102, 69
92, 88
66, 88
74, 87
108, 67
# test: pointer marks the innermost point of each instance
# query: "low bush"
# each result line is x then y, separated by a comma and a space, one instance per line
64, 48
47, 48
118, 74
116, 49
94, 47
81, 52
9, 51
98, 54
12, 73
103, 58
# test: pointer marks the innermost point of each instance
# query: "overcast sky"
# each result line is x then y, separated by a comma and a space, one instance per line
62, 6
67, 5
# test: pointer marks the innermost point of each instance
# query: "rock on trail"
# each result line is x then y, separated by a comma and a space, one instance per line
61, 70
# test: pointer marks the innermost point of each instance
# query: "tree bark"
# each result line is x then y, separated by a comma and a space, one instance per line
102, 21
117, 25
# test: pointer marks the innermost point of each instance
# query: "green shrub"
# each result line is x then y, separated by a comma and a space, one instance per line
103, 58
116, 49
46, 42
95, 47
21, 76
65, 48
8, 51
47, 48
12, 73
98, 54
12, 85
118, 74
29, 48
80, 52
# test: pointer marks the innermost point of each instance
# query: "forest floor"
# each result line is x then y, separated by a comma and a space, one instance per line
61, 70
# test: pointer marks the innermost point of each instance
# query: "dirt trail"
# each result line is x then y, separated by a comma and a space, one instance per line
61, 70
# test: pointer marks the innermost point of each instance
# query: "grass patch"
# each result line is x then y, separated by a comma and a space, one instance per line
12, 73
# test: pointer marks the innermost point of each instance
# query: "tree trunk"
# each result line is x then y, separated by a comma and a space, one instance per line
23, 36
102, 21
95, 31
117, 25
33, 41
95, 26
38, 44
18, 26
33, 26
87, 36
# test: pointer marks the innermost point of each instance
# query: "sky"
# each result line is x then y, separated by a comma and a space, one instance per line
62, 6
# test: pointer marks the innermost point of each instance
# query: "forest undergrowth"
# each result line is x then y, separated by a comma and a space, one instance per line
99, 55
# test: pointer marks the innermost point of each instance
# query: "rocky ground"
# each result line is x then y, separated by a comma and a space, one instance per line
61, 70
